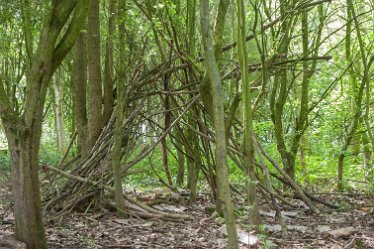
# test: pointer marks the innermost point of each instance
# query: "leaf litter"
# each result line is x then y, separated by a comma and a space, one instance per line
103, 229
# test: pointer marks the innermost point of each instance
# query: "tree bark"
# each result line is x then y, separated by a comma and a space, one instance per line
304, 166
120, 112
167, 119
367, 157
195, 168
80, 85
59, 115
181, 159
248, 148
206, 85
219, 125
29, 226
109, 69
94, 89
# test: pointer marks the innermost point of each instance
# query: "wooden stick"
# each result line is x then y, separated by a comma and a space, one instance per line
350, 244
293, 184
67, 149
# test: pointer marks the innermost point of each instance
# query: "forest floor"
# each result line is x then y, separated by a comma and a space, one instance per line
353, 228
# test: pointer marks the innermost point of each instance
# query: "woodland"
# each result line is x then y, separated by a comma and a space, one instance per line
186, 124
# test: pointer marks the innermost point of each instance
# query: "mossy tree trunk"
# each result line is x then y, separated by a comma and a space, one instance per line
248, 148
109, 67
120, 113
219, 125
80, 86
59, 114
94, 86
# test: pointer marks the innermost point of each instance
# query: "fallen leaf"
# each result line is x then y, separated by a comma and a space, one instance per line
244, 237
170, 208
287, 214
342, 232
323, 228
273, 228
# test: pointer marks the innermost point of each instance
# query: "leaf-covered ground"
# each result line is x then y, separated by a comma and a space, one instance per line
350, 229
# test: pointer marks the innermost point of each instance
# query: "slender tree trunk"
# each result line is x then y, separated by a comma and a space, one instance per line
279, 91
59, 116
356, 149
195, 168
80, 85
120, 112
108, 72
189, 168
148, 124
181, 158
299, 139
340, 167
191, 26
206, 85
94, 89
219, 125
167, 119
303, 161
367, 157
247, 118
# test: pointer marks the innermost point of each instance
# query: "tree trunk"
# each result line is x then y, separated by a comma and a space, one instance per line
94, 89
59, 116
80, 84
165, 163
167, 119
219, 125
248, 148
367, 157
181, 159
195, 169
29, 227
206, 85
116, 152
340, 171
120, 113
108, 72
303, 150
279, 91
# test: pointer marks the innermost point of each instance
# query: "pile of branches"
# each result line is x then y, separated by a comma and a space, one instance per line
83, 183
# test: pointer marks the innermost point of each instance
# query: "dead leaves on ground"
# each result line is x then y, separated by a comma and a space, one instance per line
339, 230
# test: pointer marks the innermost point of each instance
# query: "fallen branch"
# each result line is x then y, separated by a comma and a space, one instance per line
293, 184
350, 244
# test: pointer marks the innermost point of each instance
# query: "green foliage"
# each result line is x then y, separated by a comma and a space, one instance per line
152, 168
49, 153
235, 173
4, 162
267, 243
